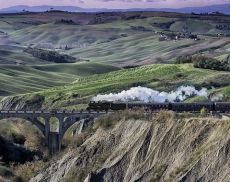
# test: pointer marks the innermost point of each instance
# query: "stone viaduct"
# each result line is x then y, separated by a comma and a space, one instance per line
65, 120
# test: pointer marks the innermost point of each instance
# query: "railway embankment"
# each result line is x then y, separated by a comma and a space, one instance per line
167, 147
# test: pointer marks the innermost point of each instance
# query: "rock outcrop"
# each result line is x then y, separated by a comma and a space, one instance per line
167, 148
30, 102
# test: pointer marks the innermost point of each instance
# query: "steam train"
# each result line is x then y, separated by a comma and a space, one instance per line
177, 107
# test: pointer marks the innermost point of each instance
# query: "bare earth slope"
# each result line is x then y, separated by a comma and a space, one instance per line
165, 149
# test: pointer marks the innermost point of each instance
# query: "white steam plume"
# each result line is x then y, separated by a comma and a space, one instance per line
146, 95
216, 97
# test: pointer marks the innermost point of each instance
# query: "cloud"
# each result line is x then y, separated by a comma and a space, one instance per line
115, 3
131, 1
78, 1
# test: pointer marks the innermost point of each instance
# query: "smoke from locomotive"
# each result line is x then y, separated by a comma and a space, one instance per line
216, 97
147, 95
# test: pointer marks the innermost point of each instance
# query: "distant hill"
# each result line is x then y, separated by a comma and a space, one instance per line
16, 9
21, 8
207, 9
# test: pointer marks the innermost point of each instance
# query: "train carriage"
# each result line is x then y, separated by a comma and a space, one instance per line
99, 106
160, 106
136, 105
193, 107
177, 107
222, 106
118, 106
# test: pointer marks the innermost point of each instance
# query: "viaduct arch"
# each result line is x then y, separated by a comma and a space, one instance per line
65, 120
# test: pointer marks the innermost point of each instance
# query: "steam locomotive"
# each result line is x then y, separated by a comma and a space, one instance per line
177, 107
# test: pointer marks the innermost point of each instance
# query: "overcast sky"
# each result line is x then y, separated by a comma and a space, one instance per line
115, 3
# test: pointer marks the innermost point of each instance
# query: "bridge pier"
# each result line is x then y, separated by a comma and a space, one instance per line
54, 138
60, 125
47, 130
54, 142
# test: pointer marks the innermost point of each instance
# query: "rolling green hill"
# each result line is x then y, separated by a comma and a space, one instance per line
160, 77
15, 55
145, 48
24, 79
120, 43
116, 38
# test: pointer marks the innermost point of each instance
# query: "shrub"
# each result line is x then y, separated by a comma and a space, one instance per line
5, 172
28, 170
107, 121
7, 175
18, 138
209, 63
34, 102
184, 59
110, 120
227, 59
163, 116
134, 114
50, 56
66, 21
35, 99
78, 140
203, 111
157, 173
204, 62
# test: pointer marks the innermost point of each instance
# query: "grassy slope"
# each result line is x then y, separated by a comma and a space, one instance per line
118, 42
141, 47
135, 49
74, 34
160, 77
144, 49
195, 26
24, 79
15, 55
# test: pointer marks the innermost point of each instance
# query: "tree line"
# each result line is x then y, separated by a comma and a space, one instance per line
200, 61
